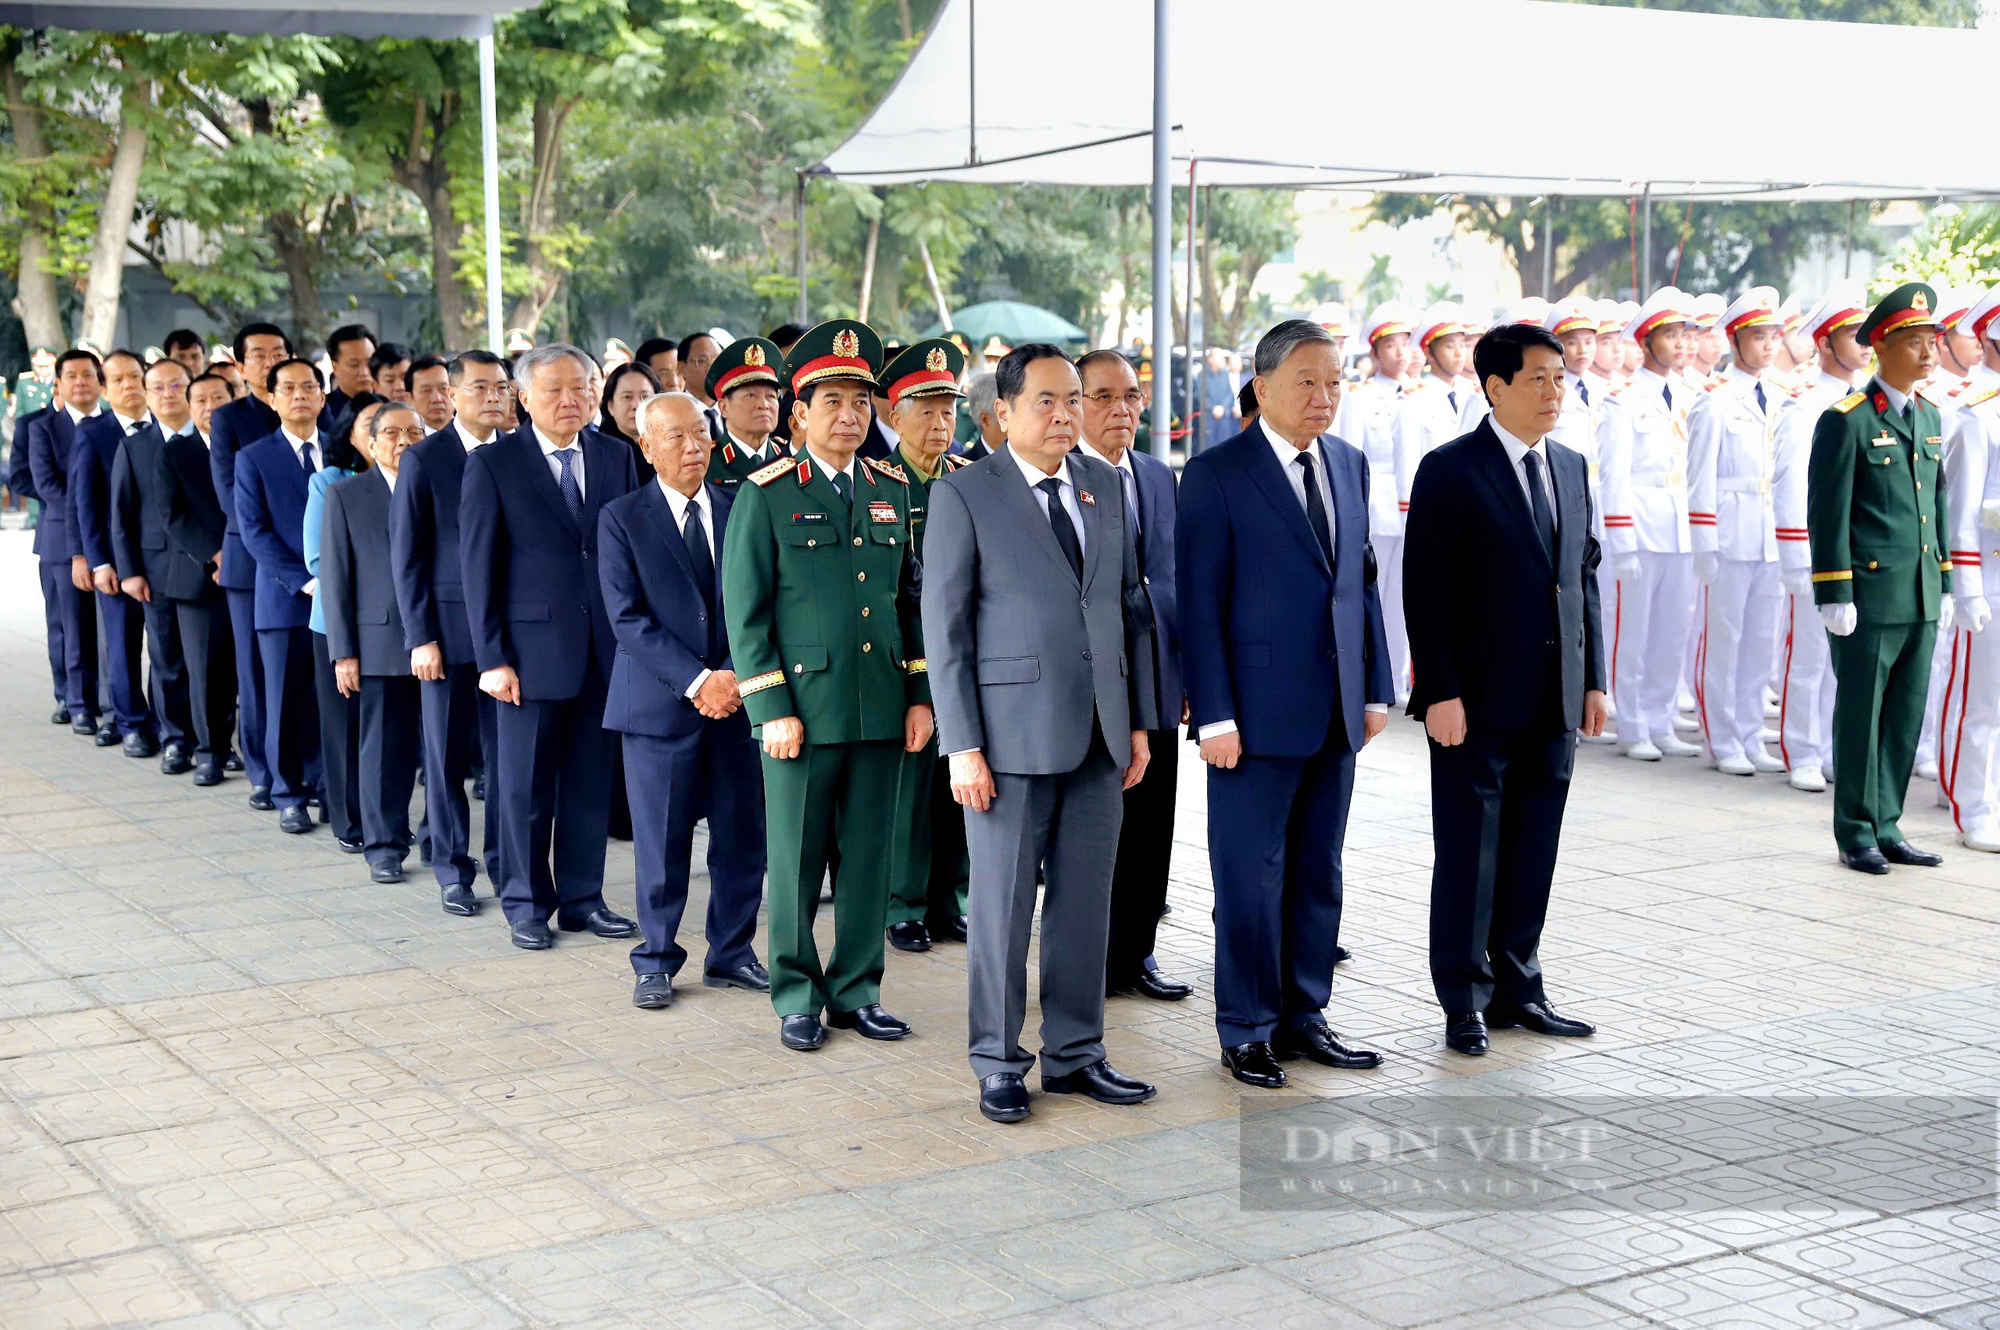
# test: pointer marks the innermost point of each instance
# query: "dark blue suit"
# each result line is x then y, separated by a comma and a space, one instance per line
21, 483
119, 617
234, 427
50, 438
1291, 649
534, 602
458, 719
139, 548
679, 765
270, 516
1512, 629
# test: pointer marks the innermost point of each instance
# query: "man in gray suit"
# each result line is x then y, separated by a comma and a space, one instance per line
1035, 623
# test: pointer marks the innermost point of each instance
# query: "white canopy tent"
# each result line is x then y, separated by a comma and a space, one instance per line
1281, 93
447, 19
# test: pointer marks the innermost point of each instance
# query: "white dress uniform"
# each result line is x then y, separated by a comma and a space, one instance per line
1969, 742
1367, 419
1946, 390
1426, 418
1642, 450
1732, 445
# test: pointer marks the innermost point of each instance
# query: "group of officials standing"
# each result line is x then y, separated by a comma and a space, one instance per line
943, 684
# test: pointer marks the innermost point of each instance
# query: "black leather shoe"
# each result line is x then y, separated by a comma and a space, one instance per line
801, 1034
355, 846
1255, 1064
458, 899
1342, 954
1870, 860
107, 735
385, 873
232, 763
531, 935
1540, 1018
208, 773
1100, 1081
141, 744
603, 923
1317, 1043
83, 725
61, 716
752, 976
424, 853
870, 1022
175, 760
1003, 1096
910, 935
653, 992
479, 787
1902, 852
296, 820
260, 799
947, 930
1153, 984
1466, 1034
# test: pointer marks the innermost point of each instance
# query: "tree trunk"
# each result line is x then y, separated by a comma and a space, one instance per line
538, 214
114, 220
868, 266
295, 252
421, 169
35, 300
937, 287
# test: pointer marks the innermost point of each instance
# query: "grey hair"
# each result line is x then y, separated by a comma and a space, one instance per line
548, 354
1285, 338
382, 409
645, 407
981, 392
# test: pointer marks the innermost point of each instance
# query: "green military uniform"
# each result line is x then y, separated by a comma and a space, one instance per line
821, 601
745, 361
927, 883
1875, 510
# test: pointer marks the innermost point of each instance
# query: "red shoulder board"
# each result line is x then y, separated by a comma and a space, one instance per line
729, 454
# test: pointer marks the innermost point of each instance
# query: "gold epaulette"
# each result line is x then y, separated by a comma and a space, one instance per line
952, 462
770, 471
1848, 403
889, 469
1981, 397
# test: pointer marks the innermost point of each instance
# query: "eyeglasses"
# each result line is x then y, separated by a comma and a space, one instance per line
1136, 400
484, 389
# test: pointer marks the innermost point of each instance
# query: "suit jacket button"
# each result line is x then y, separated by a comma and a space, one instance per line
1086, 655
1086, 604
701, 616
1147, 580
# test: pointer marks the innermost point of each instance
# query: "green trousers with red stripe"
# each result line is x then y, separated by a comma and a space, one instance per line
1883, 673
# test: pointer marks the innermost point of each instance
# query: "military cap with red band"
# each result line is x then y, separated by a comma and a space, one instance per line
1910, 305
929, 368
837, 350
745, 361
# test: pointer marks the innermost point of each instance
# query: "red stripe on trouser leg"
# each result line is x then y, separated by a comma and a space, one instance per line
1701, 677
1785, 688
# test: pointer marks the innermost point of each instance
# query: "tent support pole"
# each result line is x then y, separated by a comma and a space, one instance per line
799, 215
1187, 416
489, 136
1548, 248
1163, 244
1645, 243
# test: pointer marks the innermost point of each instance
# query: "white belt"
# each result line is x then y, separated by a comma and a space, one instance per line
1744, 485
1671, 480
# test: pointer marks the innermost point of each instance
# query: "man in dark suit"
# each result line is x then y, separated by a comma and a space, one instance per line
1112, 409
350, 351
143, 556
1286, 668
271, 479
65, 573
364, 638
674, 698
190, 582
1033, 611
20, 483
459, 720
258, 348
528, 540
119, 617
988, 437
1501, 593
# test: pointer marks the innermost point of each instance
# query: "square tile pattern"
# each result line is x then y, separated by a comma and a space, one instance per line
242, 1086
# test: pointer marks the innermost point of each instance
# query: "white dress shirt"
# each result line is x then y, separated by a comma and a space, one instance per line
129, 425
468, 439
1128, 478
1517, 453
299, 448
549, 451
1897, 400
77, 417
828, 470
677, 504
1034, 475
1287, 454
765, 454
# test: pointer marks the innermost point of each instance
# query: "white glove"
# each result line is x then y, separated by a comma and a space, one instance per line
1625, 567
1840, 620
1706, 564
1989, 514
1973, 613
1945, 615
1797, 583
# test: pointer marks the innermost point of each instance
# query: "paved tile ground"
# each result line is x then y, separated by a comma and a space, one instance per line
242, 1086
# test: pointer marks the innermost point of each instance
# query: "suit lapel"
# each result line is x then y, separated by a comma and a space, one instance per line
660, 517
543, 481
1012, 487
1096, 534
1269, 477
1497, 472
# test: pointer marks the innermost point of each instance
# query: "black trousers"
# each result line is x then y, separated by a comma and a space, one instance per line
208, 642
1496, 820
391, 747
167, 679
339, 748
291, 712
55, 576
713, 773
458, 724
554, 806
1145, 848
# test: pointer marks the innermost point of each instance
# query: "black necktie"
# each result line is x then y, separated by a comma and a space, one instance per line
1064, 528
306, 459
1316, 508
1761, 404
1538, 500
1583, 391
703, 564
1667, 391
1451, 395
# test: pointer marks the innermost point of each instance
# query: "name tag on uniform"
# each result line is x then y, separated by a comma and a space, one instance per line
881, 510
1883, 442
800, 519
1933, 439
1084, 494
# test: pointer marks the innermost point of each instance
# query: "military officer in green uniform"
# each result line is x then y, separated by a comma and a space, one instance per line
927, 885
1881, 566
744, 385
820, 586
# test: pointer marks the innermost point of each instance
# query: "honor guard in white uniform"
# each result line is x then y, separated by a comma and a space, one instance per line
1333, 317
1367, 419
1607, 366
1709, 341
1958, 357
1426, 418
1528, 309
1732, 446
1642, 451
1805, 694
1969, 751
1574, 323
